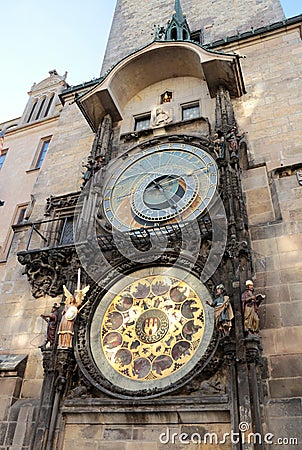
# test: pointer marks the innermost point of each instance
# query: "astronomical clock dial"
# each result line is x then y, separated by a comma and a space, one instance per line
161, 185
148, 334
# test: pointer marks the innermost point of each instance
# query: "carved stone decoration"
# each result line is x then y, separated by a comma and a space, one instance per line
253, 349
211, 382
103, 144
77, 392
160, 117
54, 203
49, 270
101, 150
225, 118
227, 135
235, 249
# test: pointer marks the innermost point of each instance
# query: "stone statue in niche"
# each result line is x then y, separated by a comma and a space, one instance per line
52, 320
159, 117
69, 315
250, 307
223, 311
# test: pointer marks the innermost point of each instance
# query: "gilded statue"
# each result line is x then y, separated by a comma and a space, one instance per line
69, 315
223, 311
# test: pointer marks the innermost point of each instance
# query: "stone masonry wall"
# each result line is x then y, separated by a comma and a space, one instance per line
271, 115
133, 22
156, 428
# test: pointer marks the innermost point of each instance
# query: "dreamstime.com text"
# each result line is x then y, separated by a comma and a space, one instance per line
170, 437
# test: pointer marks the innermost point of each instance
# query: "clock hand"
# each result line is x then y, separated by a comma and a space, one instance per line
160, 174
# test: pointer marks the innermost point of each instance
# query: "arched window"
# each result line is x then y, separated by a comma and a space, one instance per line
32, 110
174, 34
42, 103
50, 100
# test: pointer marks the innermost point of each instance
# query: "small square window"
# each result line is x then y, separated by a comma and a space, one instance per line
2, 157
142, 122
190, 111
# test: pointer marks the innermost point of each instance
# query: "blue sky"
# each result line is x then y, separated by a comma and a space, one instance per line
66, 35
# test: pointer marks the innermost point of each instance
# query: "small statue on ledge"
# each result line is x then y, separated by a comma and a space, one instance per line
250, 306
52, 320
69, 315
92, 167
223, 311
219, 144
233, 139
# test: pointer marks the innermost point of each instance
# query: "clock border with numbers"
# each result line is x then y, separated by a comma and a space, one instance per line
124, 206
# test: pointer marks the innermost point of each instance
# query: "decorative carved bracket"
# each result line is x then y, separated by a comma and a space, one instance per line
47, 270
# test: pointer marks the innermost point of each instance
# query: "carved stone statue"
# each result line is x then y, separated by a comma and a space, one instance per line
250, 306
92, 167
219, 144
52, 320
160, 117
233, 139
222, 310
69, 315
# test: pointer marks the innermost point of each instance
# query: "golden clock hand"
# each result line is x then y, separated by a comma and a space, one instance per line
204, 169
168, 181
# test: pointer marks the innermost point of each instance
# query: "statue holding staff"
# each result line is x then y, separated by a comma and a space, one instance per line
69, 315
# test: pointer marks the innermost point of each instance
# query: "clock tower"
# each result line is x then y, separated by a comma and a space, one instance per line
160, 231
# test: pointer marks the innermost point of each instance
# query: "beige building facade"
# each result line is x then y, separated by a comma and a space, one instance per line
90, 180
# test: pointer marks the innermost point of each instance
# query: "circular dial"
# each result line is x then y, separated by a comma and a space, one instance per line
152, 330
163, 184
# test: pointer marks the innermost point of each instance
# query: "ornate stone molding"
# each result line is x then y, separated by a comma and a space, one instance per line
47, 270
67, 201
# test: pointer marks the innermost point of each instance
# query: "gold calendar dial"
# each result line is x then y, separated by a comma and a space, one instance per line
151, 330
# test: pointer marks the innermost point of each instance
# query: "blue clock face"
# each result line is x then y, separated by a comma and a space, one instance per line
165, 184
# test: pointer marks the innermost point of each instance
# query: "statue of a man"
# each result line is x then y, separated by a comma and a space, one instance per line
250, 306
223, 311
52, 320
69, 315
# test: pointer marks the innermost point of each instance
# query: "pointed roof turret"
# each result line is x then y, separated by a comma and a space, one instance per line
178, 28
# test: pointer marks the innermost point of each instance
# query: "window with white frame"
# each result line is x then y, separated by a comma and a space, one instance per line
190, 111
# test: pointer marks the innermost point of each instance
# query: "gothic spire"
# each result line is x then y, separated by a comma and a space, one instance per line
178, 28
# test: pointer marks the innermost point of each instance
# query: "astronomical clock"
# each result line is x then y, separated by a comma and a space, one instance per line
168, 183
151, 331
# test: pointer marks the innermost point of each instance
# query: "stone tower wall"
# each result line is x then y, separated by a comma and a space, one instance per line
133, 22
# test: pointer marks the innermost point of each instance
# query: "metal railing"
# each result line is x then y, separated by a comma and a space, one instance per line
60, 232
50, 233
